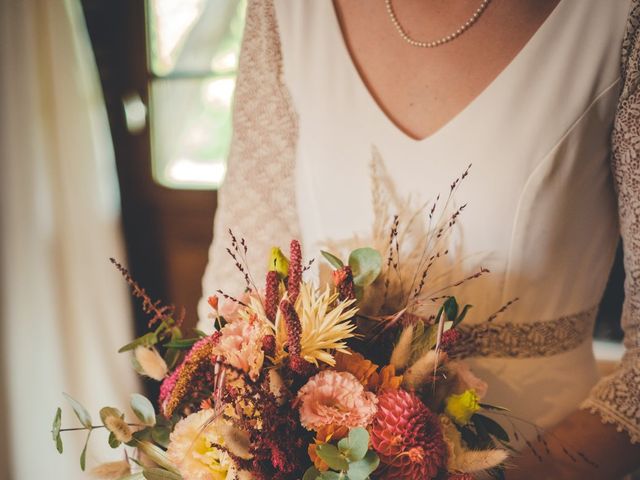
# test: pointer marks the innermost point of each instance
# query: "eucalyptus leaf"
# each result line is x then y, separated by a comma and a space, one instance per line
366, 264
83, 455
143, 409
363, 468
160, 474
329, 475
355, 445
332, 457
80, 411
113, 441
107, 412
332, 259
55, 430
312, 473
57, 422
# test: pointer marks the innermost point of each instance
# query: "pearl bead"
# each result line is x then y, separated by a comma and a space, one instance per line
441, 41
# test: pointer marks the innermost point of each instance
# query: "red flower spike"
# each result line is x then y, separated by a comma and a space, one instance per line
449, 339
269, 345
295, 271
272, 295
407, 437
294, 335
343, 281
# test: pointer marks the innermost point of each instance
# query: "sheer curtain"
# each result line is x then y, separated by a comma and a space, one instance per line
64, 309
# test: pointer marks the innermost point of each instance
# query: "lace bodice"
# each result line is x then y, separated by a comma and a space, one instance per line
258, 199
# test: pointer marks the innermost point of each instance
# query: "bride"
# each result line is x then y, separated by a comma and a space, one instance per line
338, 101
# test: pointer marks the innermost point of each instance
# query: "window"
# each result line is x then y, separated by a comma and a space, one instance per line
193, 48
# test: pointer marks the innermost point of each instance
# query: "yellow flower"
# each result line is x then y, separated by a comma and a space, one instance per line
193, 449
461, 407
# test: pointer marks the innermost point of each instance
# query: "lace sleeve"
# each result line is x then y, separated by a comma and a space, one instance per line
617, 397
257, 199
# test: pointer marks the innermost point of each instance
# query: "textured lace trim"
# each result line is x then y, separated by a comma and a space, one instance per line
524, 340
610, 416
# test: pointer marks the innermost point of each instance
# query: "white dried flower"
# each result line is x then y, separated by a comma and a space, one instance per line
151, 363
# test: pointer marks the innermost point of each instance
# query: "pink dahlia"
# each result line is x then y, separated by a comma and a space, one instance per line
241, 345
407, 437
335, 398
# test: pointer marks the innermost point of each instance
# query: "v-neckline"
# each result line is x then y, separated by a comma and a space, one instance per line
395, 126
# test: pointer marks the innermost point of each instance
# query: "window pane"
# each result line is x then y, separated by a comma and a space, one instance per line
190, 130
193, 57
194, 36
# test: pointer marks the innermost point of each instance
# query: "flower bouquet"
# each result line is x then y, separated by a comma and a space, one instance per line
354, 379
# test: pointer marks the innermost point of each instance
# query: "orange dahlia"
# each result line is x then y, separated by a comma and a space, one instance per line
407, 437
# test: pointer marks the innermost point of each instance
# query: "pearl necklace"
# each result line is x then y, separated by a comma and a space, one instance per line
447, 38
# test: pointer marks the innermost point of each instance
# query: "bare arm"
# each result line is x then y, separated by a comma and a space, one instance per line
582, 432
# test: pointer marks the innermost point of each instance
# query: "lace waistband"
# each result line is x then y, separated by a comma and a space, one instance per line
524, 340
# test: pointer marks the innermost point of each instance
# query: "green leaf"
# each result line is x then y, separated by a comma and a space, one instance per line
361, 469
463, 314
113, 441
55, 430
146, 340
332, 476
80, 411
332, 457
366, 264
451, 308
312, 473
182, 343
491, 426
83, 455
107, 412
156, 454
332, 259
57, 422
171, 357
160, 435
143, 409
160, 474
355, 445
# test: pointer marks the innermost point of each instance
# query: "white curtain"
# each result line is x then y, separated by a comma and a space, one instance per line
64, 309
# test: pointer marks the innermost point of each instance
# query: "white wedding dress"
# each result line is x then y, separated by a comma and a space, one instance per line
541, 209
